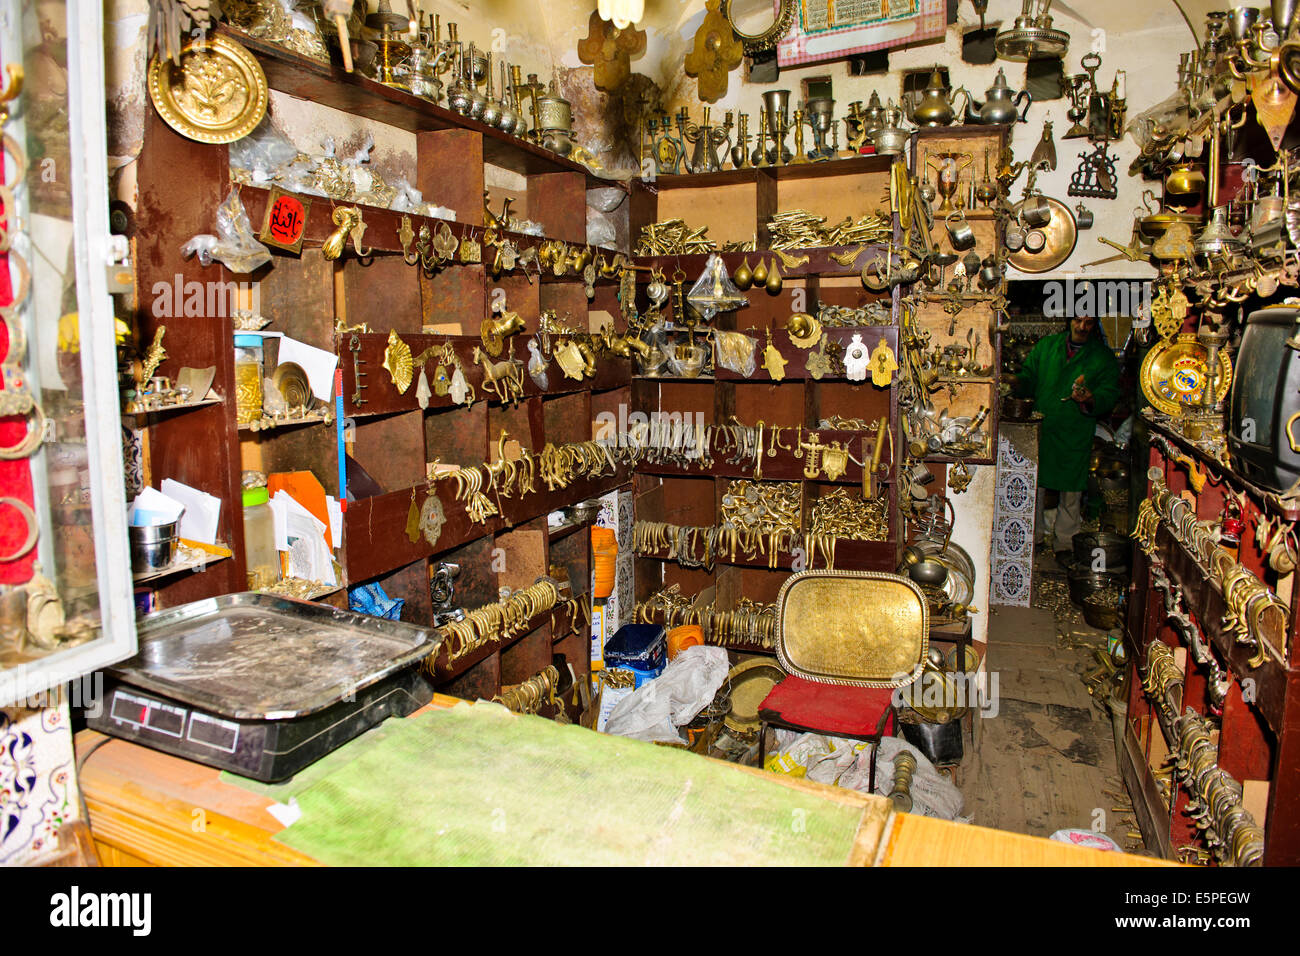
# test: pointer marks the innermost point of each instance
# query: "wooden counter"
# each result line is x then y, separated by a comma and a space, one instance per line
151, 809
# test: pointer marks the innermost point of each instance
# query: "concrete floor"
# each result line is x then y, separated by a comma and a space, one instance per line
1046, 761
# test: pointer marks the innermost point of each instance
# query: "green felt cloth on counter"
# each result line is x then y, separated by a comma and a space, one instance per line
477, 785
306, 777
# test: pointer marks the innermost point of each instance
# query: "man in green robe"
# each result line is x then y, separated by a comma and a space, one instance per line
1073, 379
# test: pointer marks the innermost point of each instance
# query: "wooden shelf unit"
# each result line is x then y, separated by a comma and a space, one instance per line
1259, 720
394, 441
736, 205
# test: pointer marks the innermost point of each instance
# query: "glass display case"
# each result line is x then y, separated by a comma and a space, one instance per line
66, 605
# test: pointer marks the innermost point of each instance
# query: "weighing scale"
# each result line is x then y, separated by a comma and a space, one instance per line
262, 685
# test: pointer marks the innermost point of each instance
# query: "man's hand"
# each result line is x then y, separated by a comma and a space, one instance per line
1080, 393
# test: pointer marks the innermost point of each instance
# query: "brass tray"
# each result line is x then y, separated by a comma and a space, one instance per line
751, 682
1174, 374
1062, 234
857, 628
218, 94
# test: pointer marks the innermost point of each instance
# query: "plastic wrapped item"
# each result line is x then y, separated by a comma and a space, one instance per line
656, 709
735, 351
600, 229
266, 155
235, 246
714, 291
605, 198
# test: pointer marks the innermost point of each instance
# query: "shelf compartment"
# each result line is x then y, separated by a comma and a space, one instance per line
820, 261
190, 556
328, 84
796, 358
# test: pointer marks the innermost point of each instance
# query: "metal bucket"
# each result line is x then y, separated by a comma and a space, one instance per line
1116, 550
1084, 583
153, 547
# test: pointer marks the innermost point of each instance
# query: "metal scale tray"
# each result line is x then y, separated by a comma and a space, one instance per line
261, 685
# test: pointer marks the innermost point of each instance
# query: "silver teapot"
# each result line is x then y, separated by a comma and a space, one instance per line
1002, 105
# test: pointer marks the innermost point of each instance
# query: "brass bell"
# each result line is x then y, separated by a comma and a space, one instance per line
760, 272
743, 278
774, 282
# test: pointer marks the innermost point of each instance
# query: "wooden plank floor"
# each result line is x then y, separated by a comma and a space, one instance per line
1046, 759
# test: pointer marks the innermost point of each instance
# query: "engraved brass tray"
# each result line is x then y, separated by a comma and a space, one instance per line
858, 628
218, 94
1174, 374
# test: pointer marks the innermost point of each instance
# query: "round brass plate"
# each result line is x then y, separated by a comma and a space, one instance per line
218, 94
751, 682
1174, 374
1062, 233
291, 379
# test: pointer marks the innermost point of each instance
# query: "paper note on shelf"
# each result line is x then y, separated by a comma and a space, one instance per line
152, 507
202, 511
301, 536
317, 363
336, 519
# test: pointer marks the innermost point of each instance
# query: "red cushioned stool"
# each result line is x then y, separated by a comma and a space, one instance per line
861, 713
849, 640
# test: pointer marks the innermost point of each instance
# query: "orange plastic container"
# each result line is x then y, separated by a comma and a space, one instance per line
680, 638
604, 549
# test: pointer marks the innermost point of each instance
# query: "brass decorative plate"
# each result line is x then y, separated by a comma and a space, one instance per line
1174, 374
751, 682
1062, 234
858, 628
218, 94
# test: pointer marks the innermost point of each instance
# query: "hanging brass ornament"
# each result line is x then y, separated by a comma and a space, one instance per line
413, 521
835, 460
610, 50
716, 53
441, 379
570, 360
883, 364
773, 283
398, 362
406, 235
1274, 105
773, 361
760, 273
744, 277
470, 251
444, 244
432, 518
804, 330
819, 363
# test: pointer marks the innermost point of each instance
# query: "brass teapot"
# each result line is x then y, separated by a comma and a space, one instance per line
935, 107
1001, 106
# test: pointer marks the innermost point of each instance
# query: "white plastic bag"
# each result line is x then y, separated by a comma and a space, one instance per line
657, 708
